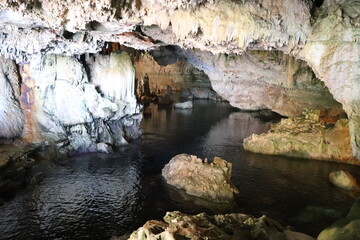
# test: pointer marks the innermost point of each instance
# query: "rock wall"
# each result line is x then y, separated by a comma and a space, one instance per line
179, 75
333, 51
63, 106
265, 80
325, 37
11, 115
305, 136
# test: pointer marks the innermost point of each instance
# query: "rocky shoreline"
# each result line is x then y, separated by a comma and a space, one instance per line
306, 136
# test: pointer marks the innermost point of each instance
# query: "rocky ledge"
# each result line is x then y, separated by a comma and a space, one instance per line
200, 178
305, 136
178, 225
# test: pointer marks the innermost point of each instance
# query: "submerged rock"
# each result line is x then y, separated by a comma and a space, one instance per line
178, 225
14, 163
305, 136
13, 153
347, 228
344, 180
184, 105
200, 178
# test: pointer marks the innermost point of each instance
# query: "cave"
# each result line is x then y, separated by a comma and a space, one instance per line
198, 119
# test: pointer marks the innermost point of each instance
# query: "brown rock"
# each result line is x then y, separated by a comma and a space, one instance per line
343, 179
200, 178
305, 136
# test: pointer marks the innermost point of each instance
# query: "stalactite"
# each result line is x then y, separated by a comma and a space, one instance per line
118, 82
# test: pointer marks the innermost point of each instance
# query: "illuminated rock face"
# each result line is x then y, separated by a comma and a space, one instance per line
305, 136
11, 115
61, 103
343, 179
200, 178
325, 38
177, 225
265, 80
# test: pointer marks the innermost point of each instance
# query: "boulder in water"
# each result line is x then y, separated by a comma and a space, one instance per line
184, 105
344, 180
200, 178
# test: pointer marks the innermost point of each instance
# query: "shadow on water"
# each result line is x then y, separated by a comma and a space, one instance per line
96, 196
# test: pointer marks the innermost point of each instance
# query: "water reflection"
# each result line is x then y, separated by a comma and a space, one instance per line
230, 132
77, 200
97, 196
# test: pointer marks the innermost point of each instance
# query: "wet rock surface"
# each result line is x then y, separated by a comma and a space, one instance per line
14, 162
177, 225
345, 228
344, 180
305, 136
200, 178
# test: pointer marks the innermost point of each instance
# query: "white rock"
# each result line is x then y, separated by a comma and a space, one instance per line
104, 148
184, 105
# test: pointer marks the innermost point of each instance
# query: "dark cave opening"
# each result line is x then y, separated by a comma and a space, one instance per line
318, 3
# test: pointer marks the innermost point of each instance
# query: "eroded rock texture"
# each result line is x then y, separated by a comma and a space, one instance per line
265, 80
11, 115
325, 38
178, 74
305, 136
344, 180
200, 178
63, 106
178, 225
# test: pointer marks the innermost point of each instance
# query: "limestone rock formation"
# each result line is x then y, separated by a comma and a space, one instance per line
345, 228
178, 225
305, 136
11, 114
332, 50
265, 80
179, 75
257, 54
200, 178
343, 179
63, 105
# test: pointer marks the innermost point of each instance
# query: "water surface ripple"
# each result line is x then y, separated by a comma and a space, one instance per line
97, 196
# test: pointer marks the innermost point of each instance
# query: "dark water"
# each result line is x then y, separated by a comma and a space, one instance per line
96, 196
